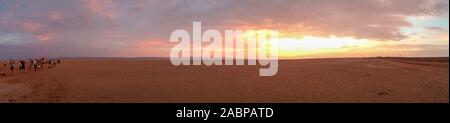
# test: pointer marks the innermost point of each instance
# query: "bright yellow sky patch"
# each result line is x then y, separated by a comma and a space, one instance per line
309, 45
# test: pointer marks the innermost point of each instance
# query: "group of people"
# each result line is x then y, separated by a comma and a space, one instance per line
23, 65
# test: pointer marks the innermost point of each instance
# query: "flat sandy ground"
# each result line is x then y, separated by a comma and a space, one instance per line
311, 80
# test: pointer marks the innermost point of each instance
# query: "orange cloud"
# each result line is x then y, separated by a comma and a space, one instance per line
152, 47
151, 44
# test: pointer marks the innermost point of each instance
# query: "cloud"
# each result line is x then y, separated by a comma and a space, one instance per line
372, 19
104, 8
45, 37
436, 28
14, 39
55, 16
108, 27
31, 26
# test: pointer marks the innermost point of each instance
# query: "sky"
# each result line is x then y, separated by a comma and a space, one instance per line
142, 28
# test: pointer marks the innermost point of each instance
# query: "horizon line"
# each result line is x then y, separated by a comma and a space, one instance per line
164, 58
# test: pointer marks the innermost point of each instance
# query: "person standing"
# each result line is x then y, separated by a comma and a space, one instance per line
30, 64
19, 65
22, 65
35, 64
2, 72
11, 65
49, 63
54, 63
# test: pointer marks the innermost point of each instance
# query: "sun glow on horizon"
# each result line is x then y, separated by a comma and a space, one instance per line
310, 45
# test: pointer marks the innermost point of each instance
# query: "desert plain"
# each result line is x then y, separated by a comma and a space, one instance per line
328, 80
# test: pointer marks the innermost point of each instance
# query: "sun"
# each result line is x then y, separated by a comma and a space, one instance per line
310, 45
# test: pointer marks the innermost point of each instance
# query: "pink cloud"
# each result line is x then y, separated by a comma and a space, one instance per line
105, 8
152, 47
56, 16
45, 37
31, 26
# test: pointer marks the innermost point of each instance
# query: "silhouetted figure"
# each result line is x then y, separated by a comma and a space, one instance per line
54, 63
22, 65
2, 72
50, 64
11, 66
35, 64
30, 64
